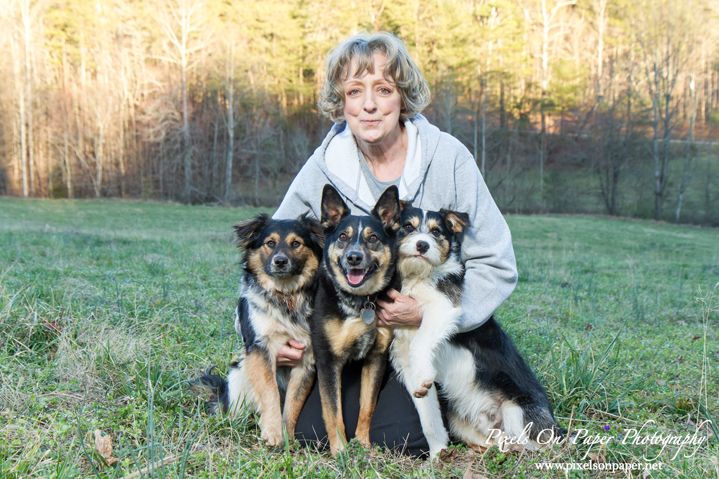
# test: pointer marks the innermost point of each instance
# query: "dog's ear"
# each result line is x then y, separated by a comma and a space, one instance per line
248, 230
333, 208
388, 210
402, 205
455, 221
315, 230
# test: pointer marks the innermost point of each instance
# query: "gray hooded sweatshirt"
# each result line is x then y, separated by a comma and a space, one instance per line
439, 173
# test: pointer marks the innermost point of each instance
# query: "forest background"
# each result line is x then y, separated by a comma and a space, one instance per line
569, 106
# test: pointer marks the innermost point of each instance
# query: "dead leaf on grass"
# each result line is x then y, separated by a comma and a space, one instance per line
589, 327
477, 448
53, 326
468, 474
103, 445
594, 457
695, 338
446, 455
661, 382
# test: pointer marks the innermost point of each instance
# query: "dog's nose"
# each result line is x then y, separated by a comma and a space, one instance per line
422, 247
354, 259
280, 261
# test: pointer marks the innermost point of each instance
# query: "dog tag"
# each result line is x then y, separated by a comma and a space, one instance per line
368, 312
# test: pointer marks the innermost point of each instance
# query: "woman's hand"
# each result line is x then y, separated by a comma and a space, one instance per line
403, 311
290, 354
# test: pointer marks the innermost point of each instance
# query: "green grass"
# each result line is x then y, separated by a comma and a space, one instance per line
108, 307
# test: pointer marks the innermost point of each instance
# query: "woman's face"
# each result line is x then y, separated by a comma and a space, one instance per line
372, 105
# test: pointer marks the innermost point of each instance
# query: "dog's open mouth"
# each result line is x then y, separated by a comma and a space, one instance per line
356, 277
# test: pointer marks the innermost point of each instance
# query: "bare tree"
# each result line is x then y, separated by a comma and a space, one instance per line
602, 17
546, 20
230, 87
690, 148
665, 45
181, 22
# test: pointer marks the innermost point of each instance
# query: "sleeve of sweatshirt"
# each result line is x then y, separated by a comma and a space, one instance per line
304, 194
491, 268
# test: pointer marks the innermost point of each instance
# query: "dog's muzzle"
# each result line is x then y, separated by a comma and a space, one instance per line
357, 267
280, 266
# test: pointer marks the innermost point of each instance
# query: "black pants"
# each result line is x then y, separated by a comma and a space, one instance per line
395, 423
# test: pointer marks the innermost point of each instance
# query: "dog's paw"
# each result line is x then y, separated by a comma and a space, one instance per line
272, 436
364, 440
423, 389
422, 379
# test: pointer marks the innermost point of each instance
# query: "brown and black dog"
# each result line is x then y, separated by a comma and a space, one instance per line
277, 290
358, 264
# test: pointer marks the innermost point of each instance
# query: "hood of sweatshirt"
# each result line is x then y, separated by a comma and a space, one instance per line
338, 158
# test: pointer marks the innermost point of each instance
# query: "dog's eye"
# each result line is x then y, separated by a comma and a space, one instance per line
296, 244
343, 237
435, 231
270, 243
373, 238
409, 227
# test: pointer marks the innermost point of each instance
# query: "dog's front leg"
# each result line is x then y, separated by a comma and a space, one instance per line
439, 322
372, 373
428, 409
301, 380
262, 375
329, 374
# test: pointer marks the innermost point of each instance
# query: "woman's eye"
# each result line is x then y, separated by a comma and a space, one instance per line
352, 92
270, 243
436, 231
373, 238
409, 227
343, 237
385, 91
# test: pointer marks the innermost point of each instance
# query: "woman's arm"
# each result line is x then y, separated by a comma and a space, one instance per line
487, 252
302, 195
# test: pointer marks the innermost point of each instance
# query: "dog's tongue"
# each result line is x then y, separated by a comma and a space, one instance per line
355, 276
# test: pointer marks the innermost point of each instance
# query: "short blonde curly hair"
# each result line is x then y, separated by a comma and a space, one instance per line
400, 69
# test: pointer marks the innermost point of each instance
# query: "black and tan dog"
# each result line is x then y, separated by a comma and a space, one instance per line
276, 296
493, 396
358, 264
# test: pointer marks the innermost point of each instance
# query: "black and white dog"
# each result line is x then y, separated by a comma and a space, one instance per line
276, 296
493, 396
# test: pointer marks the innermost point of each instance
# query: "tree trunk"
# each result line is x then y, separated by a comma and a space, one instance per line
187, 153
22, 120
655, 148
27, 20
99, 159
230, 124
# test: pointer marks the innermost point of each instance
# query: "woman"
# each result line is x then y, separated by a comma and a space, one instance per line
375, 94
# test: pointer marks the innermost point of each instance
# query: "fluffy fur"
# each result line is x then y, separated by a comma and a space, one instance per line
503, 402
276, 296
358, 264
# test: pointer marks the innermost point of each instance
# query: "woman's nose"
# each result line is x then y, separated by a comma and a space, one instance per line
369, 104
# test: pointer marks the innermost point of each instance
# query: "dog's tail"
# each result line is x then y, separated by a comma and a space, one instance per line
215, 387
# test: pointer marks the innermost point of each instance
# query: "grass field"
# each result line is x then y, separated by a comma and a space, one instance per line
107, 308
